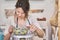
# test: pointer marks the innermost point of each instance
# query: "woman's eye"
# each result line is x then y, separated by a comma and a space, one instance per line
18, 12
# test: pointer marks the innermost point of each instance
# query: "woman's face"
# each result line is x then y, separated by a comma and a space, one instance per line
20, 13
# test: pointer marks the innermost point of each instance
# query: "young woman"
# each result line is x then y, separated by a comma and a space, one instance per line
21, 12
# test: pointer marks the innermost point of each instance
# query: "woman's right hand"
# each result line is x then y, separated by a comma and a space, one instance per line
10, 30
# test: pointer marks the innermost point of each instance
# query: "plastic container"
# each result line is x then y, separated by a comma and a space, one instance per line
1, 34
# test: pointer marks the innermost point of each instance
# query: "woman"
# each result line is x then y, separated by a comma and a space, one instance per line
22, 9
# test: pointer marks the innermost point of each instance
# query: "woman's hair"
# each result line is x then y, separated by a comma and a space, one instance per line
24, 4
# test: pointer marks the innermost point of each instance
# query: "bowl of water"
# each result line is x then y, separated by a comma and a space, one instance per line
22, 31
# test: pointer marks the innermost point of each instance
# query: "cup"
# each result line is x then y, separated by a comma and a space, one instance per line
1, 34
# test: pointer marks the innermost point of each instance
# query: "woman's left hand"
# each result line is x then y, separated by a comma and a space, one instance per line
32, 28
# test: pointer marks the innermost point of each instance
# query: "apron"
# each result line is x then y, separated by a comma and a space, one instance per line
22, 38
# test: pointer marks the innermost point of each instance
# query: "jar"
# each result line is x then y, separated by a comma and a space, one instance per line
1, 34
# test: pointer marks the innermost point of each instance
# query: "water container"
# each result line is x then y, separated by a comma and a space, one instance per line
1, 34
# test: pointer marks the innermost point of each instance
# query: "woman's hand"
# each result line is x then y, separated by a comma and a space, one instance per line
32, 28
10, 30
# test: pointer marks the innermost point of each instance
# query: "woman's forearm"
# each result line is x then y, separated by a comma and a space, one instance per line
40, 32
7, 36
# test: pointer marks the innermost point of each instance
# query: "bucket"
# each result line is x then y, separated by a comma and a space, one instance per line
1, 35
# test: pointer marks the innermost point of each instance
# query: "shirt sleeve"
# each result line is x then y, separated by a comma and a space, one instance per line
35, 22
6, 30
9, 23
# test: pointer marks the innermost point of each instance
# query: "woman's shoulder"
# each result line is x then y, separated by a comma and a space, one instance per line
11, 20
34, 21
11, 17
31, 18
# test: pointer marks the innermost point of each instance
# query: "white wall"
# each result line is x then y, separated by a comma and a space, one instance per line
47, 5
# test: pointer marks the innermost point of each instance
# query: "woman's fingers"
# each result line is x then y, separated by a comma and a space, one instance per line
32, 28
10, 29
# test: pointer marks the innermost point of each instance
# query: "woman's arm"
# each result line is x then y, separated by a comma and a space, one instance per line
40, 32
35, 26
7, 36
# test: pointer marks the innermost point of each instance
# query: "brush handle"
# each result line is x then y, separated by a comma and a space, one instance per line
17, 23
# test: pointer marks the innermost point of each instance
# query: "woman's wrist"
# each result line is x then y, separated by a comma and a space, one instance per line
36, 29
9, 33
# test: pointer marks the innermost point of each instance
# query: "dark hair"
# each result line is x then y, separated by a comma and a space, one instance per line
24, 4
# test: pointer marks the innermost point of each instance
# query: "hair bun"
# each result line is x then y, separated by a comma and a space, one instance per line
23, 0
21, 3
